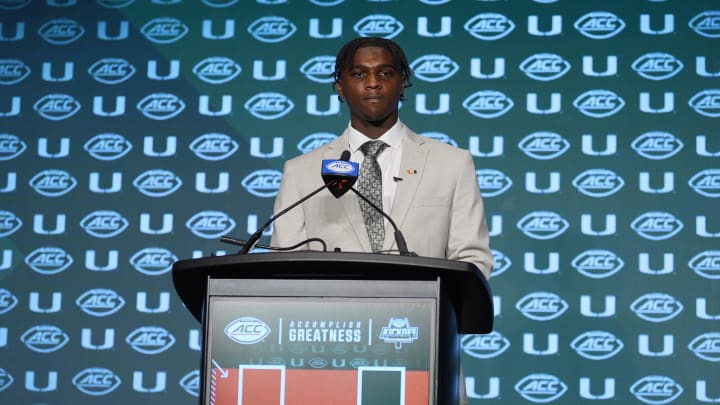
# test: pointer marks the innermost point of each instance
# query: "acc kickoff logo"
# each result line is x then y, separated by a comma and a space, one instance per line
485, 346
706, 264
107, 146
111, 70
597, 263
656, 389
541, 306
544, 145
96, 381
543, 225
272, 29
657, 145
656, 307
597, 345
399, 332
247, 330
599, 25
598, 182
150, 339
210, 224
378, 25
48, 260
545, 66
434, 68
656, 225
541, 388
489, 26
100, 302
599, 103
214, 146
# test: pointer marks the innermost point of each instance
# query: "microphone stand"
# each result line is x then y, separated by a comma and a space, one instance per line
399, 238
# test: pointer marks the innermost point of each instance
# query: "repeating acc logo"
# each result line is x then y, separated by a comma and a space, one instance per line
706, 264
706, 182
217, 69
269, 105
543, 225
272, 29
153, 261
656, 389
7, 301
541, 388
96, 381
6, 379
247, 330
100, 302
485, 346
597, 263
656, 307
434, 68
598, 182
706, 346
541, 306
44, 338
597, 345
545, 66
502, 263
111, 70
315, 140
707, 23
706, 102
107, 146
13, 71
13, 5
161, 106
656, 225
210, 224
492, 182
489, 26
9, 223
48, 260
53, 182
657, 145
61, 31
544, 145
440, 137
11, 146
599, 103
378, 25
657, 66
263, 182
164, 30
190, 383
214, 146
150, 339
115, 3
57, 107
219, 3
487, 104
104, 223
157, 183
599, 25
319, 69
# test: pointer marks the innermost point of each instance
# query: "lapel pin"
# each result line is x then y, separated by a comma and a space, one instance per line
411, 171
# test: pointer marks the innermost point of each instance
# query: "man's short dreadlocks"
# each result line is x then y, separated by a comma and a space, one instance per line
346, 54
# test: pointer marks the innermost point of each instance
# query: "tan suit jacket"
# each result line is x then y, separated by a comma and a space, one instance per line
437, 204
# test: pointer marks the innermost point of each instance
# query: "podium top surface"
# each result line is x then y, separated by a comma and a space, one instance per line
463, 282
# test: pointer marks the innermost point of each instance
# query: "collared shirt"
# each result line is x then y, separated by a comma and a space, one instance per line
388, 159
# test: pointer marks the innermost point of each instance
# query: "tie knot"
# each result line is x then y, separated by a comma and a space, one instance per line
372, 148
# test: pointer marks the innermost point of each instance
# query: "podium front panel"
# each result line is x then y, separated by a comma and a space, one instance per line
324, 342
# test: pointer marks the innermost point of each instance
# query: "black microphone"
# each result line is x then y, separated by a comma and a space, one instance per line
339, 175
252, 240
399, 238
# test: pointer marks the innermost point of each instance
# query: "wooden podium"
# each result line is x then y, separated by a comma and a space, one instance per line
332, 328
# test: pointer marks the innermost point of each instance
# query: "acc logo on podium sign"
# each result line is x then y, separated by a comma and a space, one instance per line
247, 330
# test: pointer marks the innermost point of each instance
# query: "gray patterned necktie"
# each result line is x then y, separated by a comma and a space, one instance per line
370, 185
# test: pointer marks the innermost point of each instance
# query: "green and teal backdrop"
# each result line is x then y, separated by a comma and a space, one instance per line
134, 133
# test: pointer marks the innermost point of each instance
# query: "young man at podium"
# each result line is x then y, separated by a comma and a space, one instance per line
426, 189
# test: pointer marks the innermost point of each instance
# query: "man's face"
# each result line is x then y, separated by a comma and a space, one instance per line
371, 86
